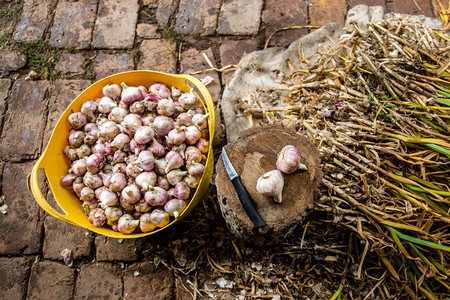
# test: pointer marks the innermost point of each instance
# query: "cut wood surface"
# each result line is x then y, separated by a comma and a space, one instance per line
253, 154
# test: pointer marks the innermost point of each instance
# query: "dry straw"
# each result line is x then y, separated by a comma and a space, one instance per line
377, 106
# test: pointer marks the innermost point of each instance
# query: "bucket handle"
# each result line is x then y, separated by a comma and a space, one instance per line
37, 193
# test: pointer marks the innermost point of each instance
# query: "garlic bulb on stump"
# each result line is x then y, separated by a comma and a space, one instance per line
288, 160
271, 184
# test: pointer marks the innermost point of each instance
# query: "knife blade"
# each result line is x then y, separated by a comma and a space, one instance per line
243, 195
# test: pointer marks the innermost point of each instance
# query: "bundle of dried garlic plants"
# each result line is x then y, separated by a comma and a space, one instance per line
377, 106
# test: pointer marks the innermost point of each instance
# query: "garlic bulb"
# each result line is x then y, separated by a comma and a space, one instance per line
288, 160
97, 217
113, 214
112, 91
271, 184
127, 224
145, 223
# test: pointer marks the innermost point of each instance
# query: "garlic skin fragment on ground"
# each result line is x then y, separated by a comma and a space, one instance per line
271, 184
67, 257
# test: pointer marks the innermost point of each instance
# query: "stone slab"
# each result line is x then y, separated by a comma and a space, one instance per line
159, 281
22, 137
62, 94
240, 17
284, 13
231, 53
147, 31
165, 11
4, 90
109, 249
322, 12
412, 7
72, 25
35, 19
14, 274
106, 64
197, 17
21, 225
11, 61
50, 280
157, 55
115, 26
70, 63
192, 60
60, 235
100, 279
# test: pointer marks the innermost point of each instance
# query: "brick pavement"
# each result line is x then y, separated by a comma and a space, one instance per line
93, 39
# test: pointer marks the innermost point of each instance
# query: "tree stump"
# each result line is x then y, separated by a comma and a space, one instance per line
253, 154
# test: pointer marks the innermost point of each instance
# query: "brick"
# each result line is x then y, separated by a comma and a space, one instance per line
240, 17
147, 31
35, 19
4, 90
70, 63
50, 280
352, 3
11, 61
109, 249
159, 281
322, 12
60, 235
72, 25
197, 17
14, 274
164, 11
412, 7
99, 281
157, 55
22, 137
115, 26
284, 13
21, 226
231, 53
192, 60
106, 64
63, 93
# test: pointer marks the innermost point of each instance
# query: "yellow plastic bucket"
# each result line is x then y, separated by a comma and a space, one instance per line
55, 164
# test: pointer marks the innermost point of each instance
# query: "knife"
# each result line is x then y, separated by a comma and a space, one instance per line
243, 195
